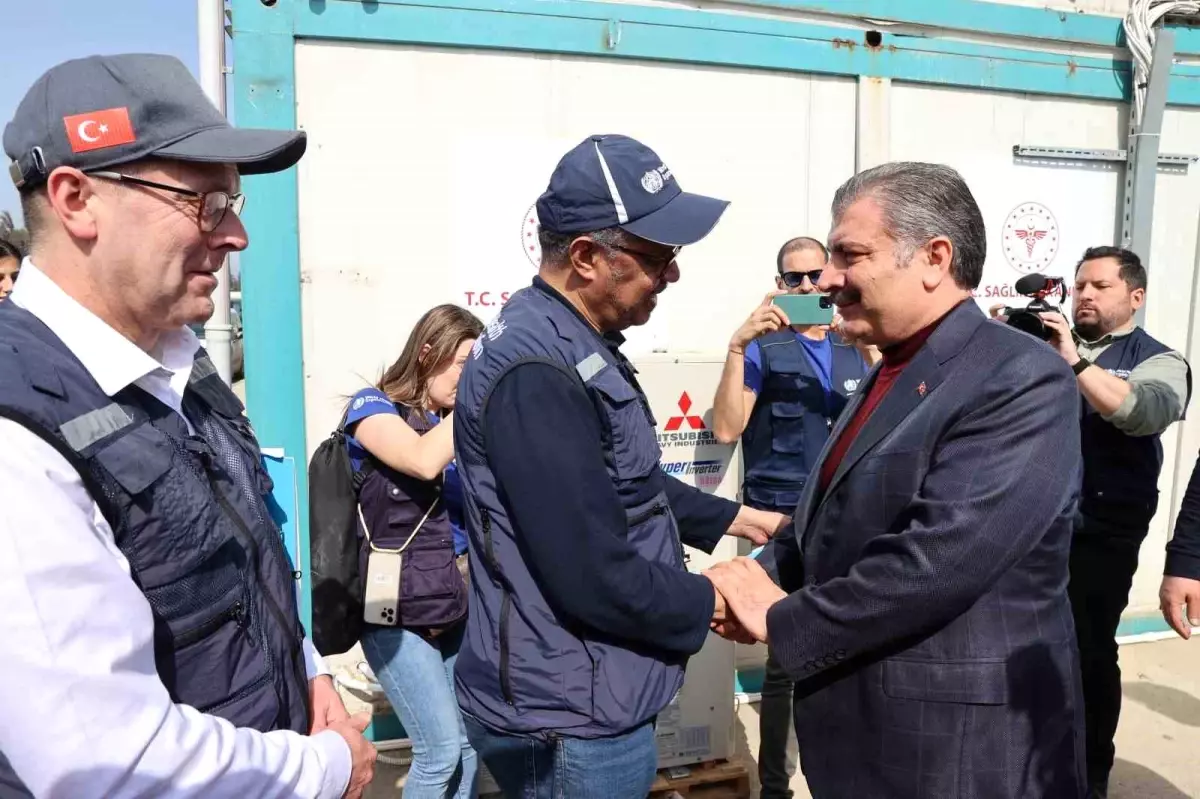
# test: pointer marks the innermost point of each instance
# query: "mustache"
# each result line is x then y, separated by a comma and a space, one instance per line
846, 296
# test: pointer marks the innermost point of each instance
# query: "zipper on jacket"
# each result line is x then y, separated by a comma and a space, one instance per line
505, 605
505, 678
488, 548
247, 539
658, 510
234, 613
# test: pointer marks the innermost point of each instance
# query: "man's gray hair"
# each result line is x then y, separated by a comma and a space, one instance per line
920, 202
555, 246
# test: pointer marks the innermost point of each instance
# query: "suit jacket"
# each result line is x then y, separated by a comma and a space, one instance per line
927, 624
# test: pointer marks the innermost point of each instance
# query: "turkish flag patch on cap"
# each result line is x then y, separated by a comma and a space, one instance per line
99, 129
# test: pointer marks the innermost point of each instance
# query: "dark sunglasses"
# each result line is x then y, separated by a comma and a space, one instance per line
794, 279
654, 263
213, 204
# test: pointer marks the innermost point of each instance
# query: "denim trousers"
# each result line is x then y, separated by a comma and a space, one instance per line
619, 767
417, 674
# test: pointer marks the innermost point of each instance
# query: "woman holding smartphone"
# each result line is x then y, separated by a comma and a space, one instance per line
399, 436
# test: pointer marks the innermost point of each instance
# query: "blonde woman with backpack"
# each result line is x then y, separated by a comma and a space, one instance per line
399, 437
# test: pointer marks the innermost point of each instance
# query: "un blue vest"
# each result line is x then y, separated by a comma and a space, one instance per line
1120, 472
792, 418
190, 513
521, 669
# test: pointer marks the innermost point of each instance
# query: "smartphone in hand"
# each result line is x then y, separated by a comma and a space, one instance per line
806, 309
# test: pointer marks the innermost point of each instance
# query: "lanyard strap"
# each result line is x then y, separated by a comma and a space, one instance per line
413, 535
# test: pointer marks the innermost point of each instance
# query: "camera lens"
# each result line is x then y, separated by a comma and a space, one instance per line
1030, 323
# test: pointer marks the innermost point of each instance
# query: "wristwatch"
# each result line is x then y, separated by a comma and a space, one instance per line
1080, 365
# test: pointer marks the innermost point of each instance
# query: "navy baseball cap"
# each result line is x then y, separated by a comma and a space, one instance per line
616, 181
97, 112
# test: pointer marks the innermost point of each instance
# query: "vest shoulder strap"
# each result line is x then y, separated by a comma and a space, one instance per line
205, 384
847, 356
773, 345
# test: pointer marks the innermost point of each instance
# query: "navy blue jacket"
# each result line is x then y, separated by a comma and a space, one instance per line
928, 624
582, 615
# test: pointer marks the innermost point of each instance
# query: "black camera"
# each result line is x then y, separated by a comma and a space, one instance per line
1039, 287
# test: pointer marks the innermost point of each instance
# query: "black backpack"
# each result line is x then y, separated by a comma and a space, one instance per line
337, 585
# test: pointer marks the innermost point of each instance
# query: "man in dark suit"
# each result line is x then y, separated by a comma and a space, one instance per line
923, 603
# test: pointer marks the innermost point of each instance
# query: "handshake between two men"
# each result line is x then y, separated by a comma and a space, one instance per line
745, 592
744, 589
927, 623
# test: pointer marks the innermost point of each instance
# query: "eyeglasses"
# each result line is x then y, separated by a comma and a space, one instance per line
794, 279
213, 204
655, 263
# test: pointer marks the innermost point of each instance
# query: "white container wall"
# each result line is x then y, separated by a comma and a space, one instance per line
424, 165
424, 198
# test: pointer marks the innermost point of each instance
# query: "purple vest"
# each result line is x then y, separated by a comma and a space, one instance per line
432, 592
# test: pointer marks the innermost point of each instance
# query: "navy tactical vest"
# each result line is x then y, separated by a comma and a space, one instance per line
393, 504
792, 418
1120, 472
521, 668
190, 513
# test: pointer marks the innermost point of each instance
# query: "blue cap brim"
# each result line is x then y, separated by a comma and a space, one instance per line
683, 221
253, 151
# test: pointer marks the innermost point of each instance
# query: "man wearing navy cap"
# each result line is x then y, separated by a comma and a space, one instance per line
582, 613
150, 636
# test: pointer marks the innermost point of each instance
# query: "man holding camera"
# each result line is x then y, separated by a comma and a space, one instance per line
1133, 388
784, 384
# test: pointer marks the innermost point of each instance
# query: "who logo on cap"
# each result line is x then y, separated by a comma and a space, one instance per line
615, 181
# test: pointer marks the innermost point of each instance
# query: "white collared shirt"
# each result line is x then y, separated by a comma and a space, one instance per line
84, 712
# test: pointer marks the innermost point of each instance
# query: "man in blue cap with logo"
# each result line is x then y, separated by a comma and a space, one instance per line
150, 636
582, 613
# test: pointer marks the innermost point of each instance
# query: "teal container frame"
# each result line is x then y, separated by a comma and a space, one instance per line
265, 33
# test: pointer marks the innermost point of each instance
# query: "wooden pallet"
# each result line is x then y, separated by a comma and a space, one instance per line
717, 779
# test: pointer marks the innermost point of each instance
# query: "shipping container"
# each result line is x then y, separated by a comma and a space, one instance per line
434, 127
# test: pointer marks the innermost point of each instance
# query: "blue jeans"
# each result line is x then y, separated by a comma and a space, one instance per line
418, 677
621, 767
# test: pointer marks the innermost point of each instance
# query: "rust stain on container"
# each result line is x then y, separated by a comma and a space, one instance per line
1071, 67
849, 44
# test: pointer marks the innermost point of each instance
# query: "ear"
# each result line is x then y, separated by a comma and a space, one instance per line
938, 255
425, 348
1137, 298
586, 258
71, 197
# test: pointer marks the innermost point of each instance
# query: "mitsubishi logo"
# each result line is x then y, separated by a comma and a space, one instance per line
675, 422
